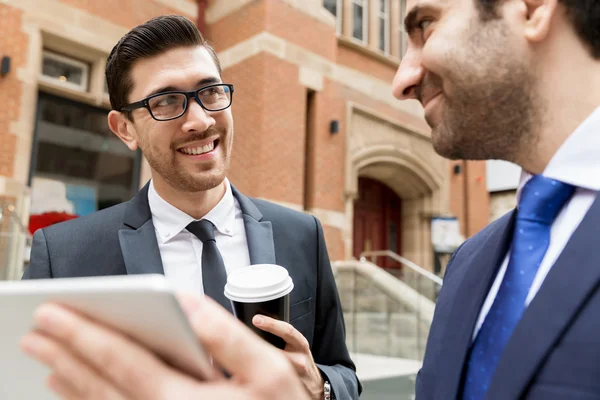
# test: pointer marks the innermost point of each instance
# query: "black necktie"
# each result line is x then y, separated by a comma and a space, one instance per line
214, 274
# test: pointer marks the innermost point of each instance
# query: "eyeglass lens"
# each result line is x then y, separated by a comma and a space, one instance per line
172, 105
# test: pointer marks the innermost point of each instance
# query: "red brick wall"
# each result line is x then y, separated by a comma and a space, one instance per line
284, 136
128, 13
269, 113
360, 61
329, 150
249, 80
296, 27
469, 199
477, 197
238, 26
14, 44
277, 18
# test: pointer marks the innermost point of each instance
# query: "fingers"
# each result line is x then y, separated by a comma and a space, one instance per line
234, 346
72, 378
189, 302
131, 369
284, 330
63, 388
299, 361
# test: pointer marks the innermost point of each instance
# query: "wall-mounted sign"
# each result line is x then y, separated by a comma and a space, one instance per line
445, 234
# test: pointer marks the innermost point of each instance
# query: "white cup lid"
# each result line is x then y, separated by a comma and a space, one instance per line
257, 283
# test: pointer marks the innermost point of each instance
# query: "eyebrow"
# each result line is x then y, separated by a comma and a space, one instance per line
206, 81
410, 21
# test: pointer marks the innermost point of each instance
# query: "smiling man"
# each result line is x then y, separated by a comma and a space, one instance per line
518, 316
189, 223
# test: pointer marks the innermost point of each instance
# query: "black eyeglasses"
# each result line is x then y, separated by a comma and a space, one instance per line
171, 105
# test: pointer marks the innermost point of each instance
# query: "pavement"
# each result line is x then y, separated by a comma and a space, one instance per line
386, 378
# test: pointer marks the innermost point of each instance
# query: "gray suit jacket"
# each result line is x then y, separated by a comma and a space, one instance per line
121, 240
554, 351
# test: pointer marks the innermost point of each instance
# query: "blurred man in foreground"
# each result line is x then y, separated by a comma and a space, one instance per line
518, 80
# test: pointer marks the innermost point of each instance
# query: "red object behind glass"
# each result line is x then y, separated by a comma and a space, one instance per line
48, 218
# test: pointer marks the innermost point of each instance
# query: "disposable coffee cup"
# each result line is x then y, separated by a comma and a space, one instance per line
261, 289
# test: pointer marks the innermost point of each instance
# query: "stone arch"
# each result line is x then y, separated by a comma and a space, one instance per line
386, 160
404, 161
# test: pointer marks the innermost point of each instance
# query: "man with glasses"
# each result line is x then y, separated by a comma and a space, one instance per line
189, 223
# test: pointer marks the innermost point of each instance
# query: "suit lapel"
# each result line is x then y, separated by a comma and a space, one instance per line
138, 239
570, 282
259, 233
480, 271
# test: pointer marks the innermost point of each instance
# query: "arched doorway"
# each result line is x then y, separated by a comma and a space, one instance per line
377, 220
401, 160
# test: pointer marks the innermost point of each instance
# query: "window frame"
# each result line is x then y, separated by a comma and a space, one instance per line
338, 15
43, 96
365, 22
85, 71
403, 35
385, 17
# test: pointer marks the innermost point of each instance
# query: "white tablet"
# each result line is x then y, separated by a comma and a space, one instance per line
141, 306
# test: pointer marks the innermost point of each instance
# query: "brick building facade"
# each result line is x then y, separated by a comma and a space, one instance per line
317, 128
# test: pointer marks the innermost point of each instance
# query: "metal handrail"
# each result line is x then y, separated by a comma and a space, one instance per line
410, 296
396, 257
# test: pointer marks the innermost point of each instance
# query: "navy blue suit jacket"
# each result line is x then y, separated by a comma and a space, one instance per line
554, 352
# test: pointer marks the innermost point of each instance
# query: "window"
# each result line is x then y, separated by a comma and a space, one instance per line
335, 7
78, 165
403, 38
65, 71
360, 18
384, 26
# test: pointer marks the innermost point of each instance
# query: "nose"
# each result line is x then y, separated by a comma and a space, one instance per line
197, 118
409, 76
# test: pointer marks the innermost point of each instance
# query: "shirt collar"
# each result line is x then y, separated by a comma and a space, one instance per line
576, 162
169, 221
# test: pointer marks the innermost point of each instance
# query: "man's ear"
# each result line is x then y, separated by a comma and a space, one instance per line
539, 14
123, 128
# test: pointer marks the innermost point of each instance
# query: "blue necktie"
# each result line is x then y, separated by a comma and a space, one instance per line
541, 200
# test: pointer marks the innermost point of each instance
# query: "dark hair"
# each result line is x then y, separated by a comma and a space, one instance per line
584, 14
152, 38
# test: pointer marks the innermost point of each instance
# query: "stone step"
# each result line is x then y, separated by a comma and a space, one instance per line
396, 324
393, 335
388, 346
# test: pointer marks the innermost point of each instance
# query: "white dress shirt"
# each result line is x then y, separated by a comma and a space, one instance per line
577, 162
181, 251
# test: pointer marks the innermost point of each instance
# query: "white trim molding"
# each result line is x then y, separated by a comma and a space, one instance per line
220, 9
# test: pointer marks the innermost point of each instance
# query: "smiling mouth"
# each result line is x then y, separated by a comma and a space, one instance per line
198, 150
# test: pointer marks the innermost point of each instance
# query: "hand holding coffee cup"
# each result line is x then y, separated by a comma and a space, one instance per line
261, 289
265, 290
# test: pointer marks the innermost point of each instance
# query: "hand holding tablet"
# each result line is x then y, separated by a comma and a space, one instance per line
88, 359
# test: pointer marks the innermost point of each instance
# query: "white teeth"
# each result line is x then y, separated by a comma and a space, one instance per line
199, 150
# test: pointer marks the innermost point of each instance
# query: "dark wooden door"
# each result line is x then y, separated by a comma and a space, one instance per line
377, 220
